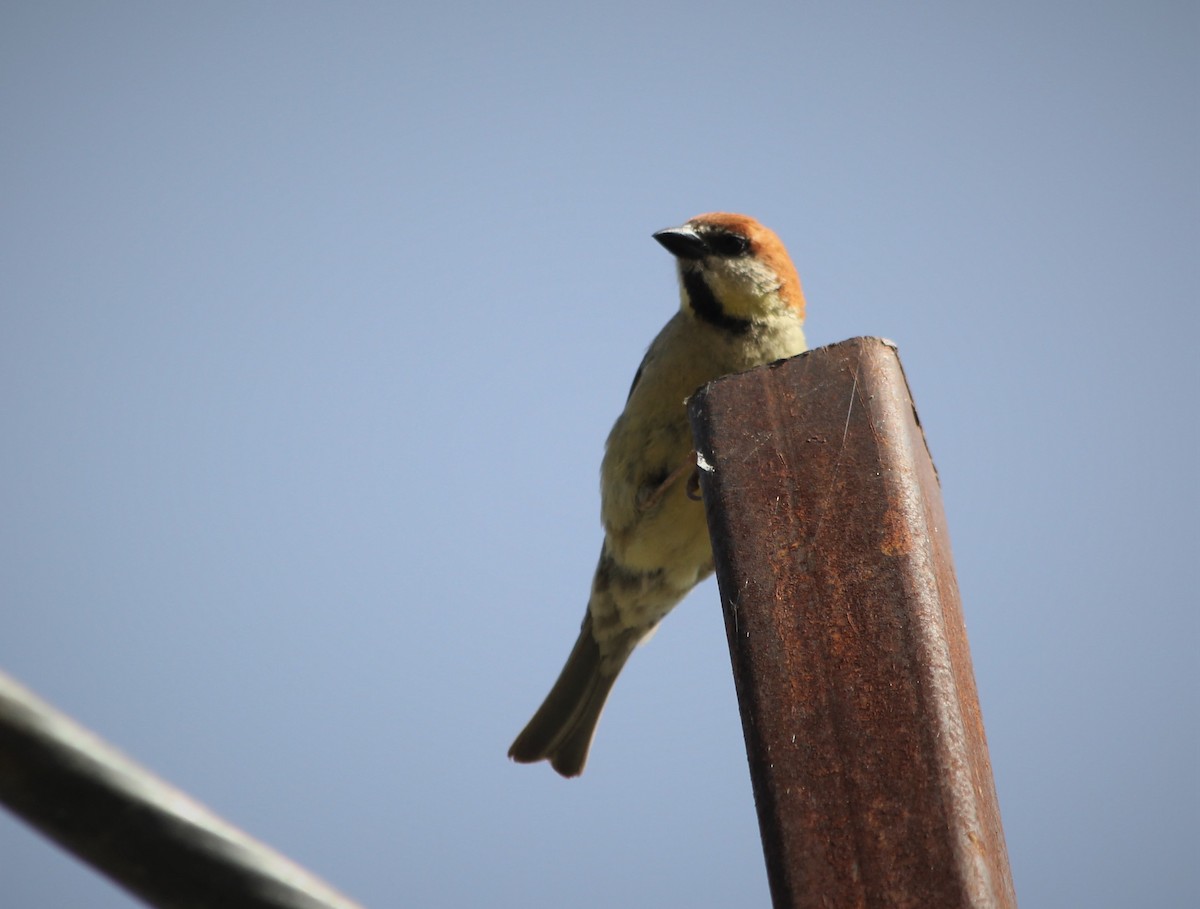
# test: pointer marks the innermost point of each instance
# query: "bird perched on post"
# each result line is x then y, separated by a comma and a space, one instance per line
740, 306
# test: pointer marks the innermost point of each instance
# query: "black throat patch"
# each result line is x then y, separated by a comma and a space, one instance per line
707, 307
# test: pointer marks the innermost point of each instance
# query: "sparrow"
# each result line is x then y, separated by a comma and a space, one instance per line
741, 306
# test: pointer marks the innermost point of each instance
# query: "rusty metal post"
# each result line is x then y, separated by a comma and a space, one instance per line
145, 835
866, 746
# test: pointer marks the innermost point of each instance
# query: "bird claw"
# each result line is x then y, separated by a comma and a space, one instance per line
647, 500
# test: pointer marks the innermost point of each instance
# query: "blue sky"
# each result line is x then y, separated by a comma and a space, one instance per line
313, 320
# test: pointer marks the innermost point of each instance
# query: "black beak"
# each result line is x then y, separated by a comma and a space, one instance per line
682, 242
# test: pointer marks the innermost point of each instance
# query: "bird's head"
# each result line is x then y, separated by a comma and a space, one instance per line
733, 271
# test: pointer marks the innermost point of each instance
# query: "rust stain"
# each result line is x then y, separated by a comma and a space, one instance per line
850, 660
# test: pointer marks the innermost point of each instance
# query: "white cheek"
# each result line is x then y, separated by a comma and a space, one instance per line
740, 277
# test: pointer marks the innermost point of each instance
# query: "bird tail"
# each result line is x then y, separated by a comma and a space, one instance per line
561, 731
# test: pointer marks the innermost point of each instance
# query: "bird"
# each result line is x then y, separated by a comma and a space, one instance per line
741, 306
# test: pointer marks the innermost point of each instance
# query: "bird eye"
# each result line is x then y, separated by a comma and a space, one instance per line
730, 245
